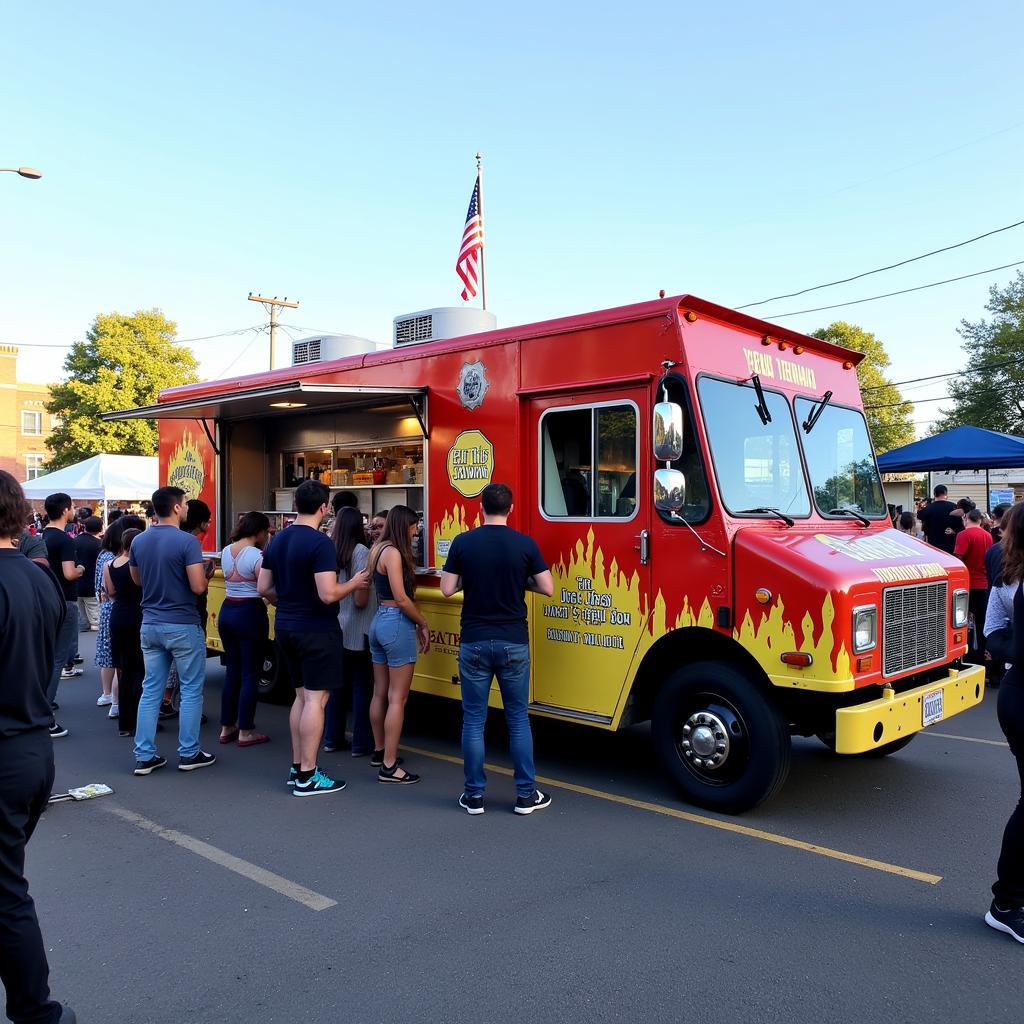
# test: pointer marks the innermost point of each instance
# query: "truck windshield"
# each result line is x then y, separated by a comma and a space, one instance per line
840, 462
757, 464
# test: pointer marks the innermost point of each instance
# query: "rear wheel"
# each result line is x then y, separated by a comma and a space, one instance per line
274, 686
719, 737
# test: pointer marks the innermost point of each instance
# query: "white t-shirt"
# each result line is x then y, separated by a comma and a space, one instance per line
241, 573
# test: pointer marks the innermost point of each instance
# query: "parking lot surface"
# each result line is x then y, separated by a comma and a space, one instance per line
856, 894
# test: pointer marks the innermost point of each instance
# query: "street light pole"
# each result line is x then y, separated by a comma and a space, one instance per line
25, 172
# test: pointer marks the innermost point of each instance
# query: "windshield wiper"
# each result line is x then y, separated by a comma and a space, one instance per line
849, 512
762, 406
788, 520
816, 410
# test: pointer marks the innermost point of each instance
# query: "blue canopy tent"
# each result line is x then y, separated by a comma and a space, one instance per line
960, 448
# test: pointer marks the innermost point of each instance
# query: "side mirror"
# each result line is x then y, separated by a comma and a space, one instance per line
669, 490
668, 431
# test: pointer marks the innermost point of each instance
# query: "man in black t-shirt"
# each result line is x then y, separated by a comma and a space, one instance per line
60, 549
31, 611
936, 520
495, 566
87, 549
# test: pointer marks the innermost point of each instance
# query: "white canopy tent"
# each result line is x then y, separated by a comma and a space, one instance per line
102, 478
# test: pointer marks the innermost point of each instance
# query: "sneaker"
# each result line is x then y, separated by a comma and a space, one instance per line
200, 760
67, 1016
147, 767
56, 731
167, 709
386, 774
70, 673
1009, 921
104, 700
536, 801
377, 759
293, 777
114, 711
472, 804
318, 784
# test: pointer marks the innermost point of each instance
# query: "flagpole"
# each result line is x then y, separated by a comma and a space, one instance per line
480, 207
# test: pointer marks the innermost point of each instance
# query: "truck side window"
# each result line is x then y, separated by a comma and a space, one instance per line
690, 463
588, 462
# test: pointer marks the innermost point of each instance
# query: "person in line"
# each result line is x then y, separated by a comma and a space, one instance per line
87, 548
907, 523
32, 610
344, 499
300, 574
495, 565
354, 616
167, 563
939, 523
994, 555
972, 544
1006, 608
244, 630
197, 522
125, 632
60, 550
397, 632
375, 527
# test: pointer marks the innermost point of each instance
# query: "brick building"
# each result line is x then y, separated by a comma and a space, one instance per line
24, 422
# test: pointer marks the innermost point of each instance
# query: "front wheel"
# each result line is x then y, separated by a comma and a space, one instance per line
274, 687
719, 737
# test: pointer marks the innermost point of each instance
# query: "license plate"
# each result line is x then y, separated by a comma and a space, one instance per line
931, 708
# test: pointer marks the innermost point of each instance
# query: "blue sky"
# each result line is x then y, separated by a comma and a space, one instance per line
195, 152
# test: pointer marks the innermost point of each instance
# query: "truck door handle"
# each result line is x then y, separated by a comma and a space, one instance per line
644, 547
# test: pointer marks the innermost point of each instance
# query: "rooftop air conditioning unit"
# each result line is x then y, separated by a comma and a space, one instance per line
329, 346
444, 322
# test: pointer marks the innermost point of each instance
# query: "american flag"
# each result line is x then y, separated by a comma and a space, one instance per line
467, 266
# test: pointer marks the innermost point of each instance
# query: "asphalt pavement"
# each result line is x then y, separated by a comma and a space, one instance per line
857, 894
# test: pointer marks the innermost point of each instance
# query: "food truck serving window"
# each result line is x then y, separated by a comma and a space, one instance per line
757, 464
588, 461
840, 461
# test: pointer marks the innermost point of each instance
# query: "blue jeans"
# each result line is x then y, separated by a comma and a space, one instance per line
479, 662
185, 646
64, 649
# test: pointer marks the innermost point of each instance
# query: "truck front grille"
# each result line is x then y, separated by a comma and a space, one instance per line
913, 626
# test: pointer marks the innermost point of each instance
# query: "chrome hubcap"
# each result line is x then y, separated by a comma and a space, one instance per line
705, 741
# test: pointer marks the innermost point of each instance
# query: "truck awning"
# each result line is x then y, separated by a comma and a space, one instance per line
279, 399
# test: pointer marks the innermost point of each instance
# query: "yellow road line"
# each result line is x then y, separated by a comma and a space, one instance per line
966, 739
700, 819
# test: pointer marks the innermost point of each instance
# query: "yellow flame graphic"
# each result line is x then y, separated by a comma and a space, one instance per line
185, 467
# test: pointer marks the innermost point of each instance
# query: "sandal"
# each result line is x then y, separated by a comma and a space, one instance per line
377, 759
230, 736
254, 740
387, 774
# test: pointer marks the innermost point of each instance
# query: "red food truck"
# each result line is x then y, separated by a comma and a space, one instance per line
702, 484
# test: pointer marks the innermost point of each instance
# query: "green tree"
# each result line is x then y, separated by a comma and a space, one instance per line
124, 361
889, 423
990, 391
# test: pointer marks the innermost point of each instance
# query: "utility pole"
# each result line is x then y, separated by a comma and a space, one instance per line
270, 305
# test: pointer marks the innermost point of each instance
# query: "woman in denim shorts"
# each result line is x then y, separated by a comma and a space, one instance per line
397, 634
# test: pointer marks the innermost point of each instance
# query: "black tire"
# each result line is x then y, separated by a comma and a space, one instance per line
829, 739
755, 760
274, 685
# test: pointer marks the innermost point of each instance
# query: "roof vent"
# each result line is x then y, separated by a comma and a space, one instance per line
329, 346
444, 322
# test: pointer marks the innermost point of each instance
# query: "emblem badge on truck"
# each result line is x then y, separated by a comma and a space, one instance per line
473, 384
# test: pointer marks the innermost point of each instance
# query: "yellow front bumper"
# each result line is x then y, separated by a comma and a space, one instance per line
895, 715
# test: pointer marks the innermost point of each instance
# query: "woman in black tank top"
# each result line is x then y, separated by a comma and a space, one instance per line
1007, 911
125, 626
397, 633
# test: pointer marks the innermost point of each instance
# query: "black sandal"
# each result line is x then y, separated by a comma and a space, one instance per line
377, 759
387, 774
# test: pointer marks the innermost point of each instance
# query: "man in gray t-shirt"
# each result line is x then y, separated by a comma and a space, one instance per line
167, 563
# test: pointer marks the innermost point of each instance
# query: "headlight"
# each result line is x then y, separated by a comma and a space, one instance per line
865, 628
961, 600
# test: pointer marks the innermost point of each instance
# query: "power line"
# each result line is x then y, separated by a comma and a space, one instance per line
878, 270
902, 291
176, 341
952, 373
944, 398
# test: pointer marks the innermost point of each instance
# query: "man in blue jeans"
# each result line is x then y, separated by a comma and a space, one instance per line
167, 563
495, 566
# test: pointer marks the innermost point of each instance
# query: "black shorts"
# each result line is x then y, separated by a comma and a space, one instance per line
312, 660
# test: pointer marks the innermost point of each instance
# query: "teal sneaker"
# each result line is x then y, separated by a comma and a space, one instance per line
318, 784
293, 777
